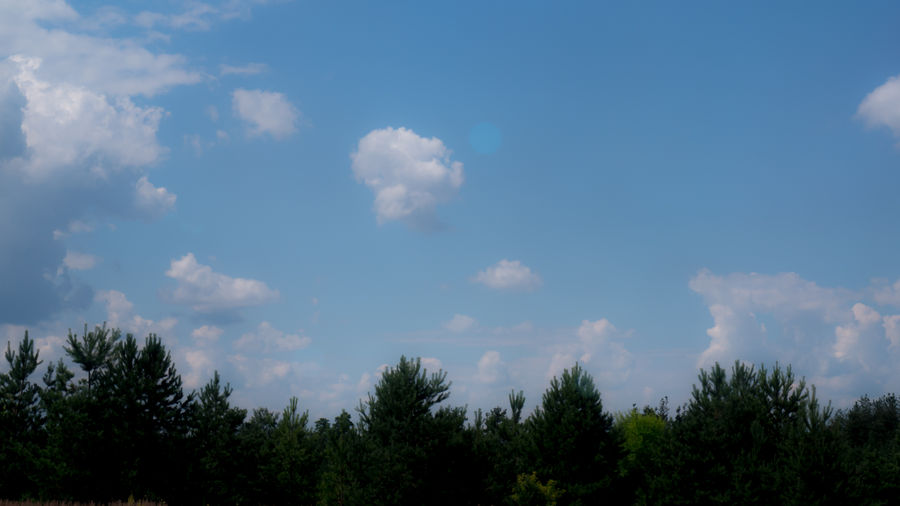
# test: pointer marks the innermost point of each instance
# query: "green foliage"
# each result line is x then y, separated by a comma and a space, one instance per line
751, 428
20, 419
870, 432
126, 429
342, 468
529, 491
214, 437
94, 352
644, 438
292, 462
571, 440
254, 456
414, 450
499, 447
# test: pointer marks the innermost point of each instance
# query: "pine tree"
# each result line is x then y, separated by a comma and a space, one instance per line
571, 440
20, 420
214, 436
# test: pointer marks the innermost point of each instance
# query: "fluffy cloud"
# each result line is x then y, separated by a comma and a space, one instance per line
842, 345
431, 364
79, 261
68, 126
207, 291
268, 339
265, 112
207, 334
509, 275
120, 314
200, 366
105, 65
490, 367
889, 295
599, 346
460, 323
151, 201
71, 134
409, 174
881, 107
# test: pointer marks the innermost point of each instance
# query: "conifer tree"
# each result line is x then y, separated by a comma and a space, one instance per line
20, 420
571, 441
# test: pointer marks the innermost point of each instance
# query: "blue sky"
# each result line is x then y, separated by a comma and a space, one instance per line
297, 193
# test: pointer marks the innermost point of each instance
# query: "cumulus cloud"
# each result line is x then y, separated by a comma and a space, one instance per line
736, 300
152, 201
69, 127
119, 67
431, 364
79, 261
207, 291
889, 295
71, 134
120, 314
881, 107
200, 365
409, 174
600, 346
207, 334
460, 323
268, 339
263, 371
842, 345
509, 275
74, 227
490, 367
266, 112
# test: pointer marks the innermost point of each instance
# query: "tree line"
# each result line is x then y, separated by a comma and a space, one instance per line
126, 429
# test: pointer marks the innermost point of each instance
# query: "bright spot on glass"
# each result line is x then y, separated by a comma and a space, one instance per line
485, 138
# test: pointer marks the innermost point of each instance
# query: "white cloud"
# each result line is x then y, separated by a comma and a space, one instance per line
197, 16
74, 227
409, 174
266, 112
200, 367
152, 201
207, 291
431, 364
460, 323
892, 330
268, 339
490, 367
105, 65
79, 261
244, 70
734, 302
848, 336
842, 345
509, 275
207, 334
120, 314
881, 107
889, 295
600, 346
261, 372
69, 127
